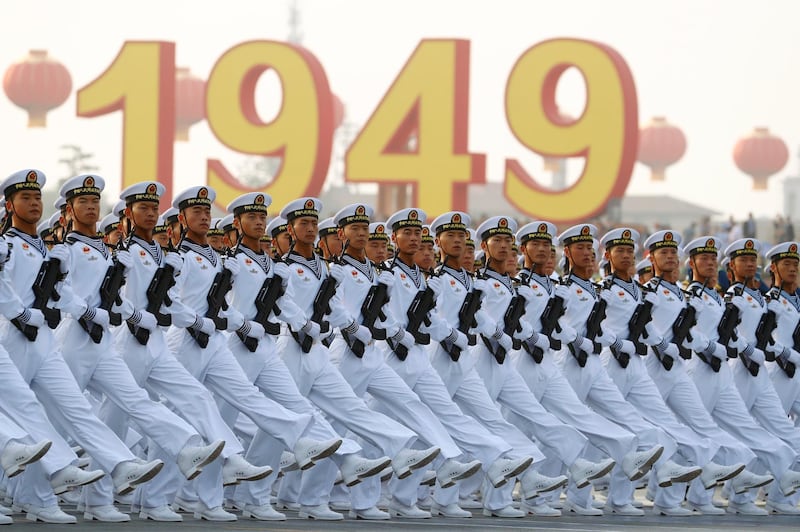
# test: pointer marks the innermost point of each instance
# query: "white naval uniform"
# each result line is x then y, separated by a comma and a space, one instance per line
635, 383
100, 368
721, 397
507, 387
469, 390
42, 366
266, 370
419, 375
552, 390
680, 394
594, 386
370, 374
215, 366
758, 393
788, 390
323, 384
158, 371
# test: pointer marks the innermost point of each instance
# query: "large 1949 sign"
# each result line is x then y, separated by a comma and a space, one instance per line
429, 98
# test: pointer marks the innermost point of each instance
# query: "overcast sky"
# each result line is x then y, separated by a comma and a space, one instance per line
716, 69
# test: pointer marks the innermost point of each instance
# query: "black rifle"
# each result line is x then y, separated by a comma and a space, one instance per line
220, 287
766, 326
421, 305
269, 293
109, 295
321, 308
593, 323
511, 318
683, 324
44, 289
637, 325
157, 295
726, 331
371, 312
553, 311
466, 321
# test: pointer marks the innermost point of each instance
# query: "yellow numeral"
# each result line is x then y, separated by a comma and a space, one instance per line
605, 134
428, 100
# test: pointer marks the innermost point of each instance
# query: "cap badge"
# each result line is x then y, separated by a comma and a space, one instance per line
259, 199
413, 215
626, 233
710, 243
502, 222
668, 237
542, 228
202, 193
456, 219
749, 244
793, 248
88, 182
151, 188
31, 177
360, 210
585, 230
379, 229
309, 204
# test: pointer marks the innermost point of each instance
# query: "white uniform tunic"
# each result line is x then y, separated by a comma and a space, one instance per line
721, 397
42, 366
593, 385
266, 370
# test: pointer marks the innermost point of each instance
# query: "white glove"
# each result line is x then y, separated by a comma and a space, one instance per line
206, 325
719, 351
526, 292
538, 340
234, 318
435, 284
740, 344
386, 278
625, 346
311, 329
363, 334
567, 335
438, 329
338, 317
175, 260
652, 297
699, 341
100, 316
124, 258
757, 356
144, 320
671, 350
405, 338
525, 332
337, 272
505, 342
124, 308
61, 253
281, 269
775, 306
461, 341
740, 303
485, 324
653, 338
232, 265
606, 337
562, 292
32, 317
252, 329
584, 344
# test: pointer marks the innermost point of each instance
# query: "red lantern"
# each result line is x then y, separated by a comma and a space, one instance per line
760, 155
660, 145
338, 111
37, 83
190, 102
